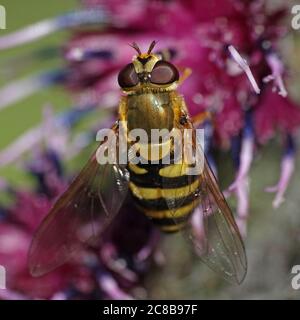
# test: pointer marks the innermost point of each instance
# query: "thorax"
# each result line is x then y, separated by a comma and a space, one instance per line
150, 111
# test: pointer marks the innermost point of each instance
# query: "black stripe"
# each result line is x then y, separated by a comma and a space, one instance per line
162, 163
170, 221
153, 166
161, 203
152, 179
171, 231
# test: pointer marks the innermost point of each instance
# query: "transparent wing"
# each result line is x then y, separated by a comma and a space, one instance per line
79, 216
211, 227
214, 233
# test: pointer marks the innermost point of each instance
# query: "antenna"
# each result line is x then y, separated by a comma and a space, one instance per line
136, 47
152, 45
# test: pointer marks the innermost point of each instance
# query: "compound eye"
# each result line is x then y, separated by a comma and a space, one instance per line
127, 77
164, 73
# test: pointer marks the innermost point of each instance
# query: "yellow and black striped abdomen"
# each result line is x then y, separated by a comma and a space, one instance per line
155, 186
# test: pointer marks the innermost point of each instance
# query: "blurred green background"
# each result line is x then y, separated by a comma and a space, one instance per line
273, 242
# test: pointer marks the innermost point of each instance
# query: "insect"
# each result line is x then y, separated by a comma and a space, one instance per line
163, 192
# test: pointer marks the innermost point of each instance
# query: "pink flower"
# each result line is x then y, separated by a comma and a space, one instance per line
275, 113
92, 273
14, 245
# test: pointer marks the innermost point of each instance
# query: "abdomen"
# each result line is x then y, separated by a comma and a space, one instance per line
156, 188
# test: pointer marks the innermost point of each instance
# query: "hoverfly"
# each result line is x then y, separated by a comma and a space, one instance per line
163, 192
